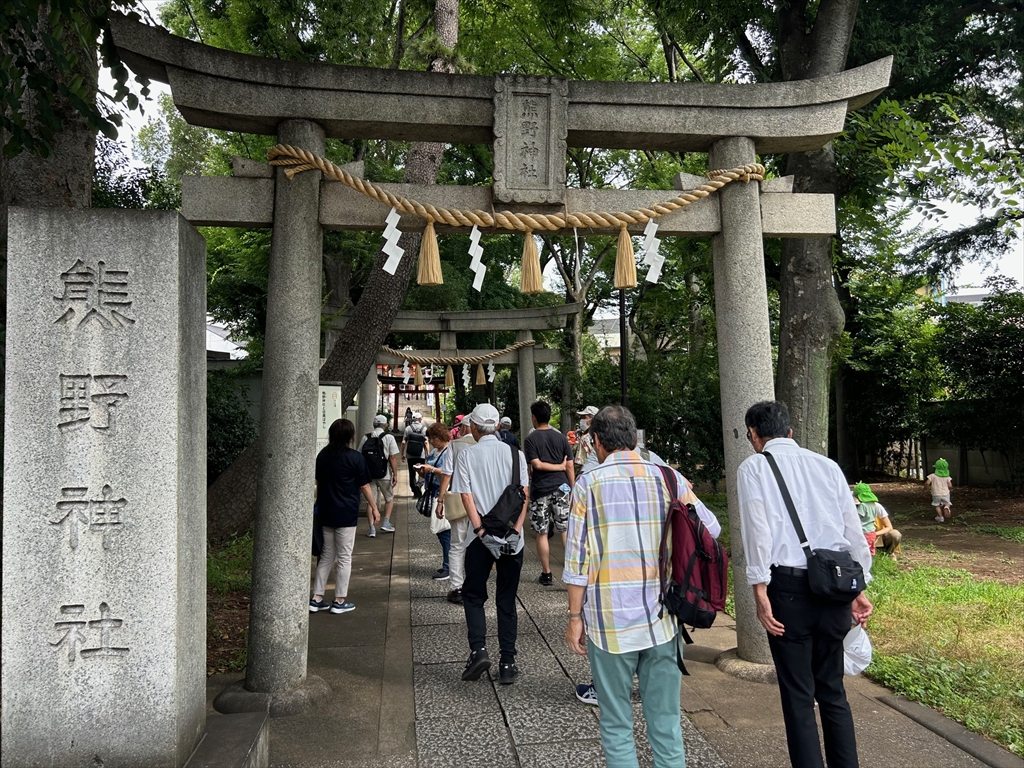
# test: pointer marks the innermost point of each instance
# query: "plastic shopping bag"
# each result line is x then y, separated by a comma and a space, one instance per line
856, 650
439, 525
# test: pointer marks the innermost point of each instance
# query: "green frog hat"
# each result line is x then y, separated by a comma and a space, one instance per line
942, 468
863, 492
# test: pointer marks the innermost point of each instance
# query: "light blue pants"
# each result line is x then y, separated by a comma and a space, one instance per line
660, 684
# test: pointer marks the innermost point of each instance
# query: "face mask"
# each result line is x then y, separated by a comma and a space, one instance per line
583, 425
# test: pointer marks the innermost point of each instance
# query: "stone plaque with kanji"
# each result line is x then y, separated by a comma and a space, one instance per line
530, 124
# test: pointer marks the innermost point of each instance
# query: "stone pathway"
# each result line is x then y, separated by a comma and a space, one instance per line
535, 722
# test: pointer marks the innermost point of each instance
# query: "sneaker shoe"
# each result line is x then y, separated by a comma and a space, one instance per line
546, 580
939, 518
587, 693
318, 605
507, 673
387, 527
441, 574
455, 597
372, 533
478, 663
345, 607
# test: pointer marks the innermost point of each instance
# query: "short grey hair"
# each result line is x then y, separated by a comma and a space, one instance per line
488, 429
615, 426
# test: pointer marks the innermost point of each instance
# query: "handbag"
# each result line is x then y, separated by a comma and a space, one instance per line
832, 574
500, 520
318, 534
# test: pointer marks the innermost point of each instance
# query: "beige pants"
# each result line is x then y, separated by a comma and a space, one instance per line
457, 553
338, 543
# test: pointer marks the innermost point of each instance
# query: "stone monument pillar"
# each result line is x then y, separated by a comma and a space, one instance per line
104, 556
279, 611
744, 355
527, 373
367, 403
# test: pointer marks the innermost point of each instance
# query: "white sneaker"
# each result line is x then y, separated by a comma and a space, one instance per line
372, 533
387, 527
938, 518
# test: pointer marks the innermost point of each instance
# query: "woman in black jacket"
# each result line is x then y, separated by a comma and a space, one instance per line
341, 477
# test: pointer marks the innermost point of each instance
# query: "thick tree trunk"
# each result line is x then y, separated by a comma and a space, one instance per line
356, 347
811, 318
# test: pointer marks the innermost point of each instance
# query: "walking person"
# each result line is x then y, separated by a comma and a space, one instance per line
551, 477
941, 486
584, 455
414, 448
613, 575
437, 472
482, 474
341, 477
805, 630
380, 451
455, 512
505, 433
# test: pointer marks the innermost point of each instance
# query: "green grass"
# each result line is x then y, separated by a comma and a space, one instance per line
953, 642
1010, 533
229, 569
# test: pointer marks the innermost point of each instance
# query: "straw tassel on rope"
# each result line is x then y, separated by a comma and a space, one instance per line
418, 378
481, 377
430, 260
625, 263
530, 282
449, 377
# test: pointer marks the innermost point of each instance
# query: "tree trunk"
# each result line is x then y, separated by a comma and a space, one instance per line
356, 347
846, 445
811, 318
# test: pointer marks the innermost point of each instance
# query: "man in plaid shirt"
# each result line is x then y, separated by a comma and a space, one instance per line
612, 573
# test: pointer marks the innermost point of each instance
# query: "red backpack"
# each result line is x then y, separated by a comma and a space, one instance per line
695, 578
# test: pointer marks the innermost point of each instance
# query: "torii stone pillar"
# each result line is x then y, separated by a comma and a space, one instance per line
278, 614
367, 403
527, 373
744, 356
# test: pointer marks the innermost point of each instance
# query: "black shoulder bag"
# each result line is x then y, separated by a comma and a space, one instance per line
832, 574
501, 520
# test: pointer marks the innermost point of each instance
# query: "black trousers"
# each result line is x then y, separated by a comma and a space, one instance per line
479, 562
415, 482
809, 662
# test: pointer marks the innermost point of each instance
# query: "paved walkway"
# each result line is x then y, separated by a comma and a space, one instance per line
395, 662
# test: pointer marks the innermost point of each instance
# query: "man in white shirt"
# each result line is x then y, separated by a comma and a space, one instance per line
805, 631
386, 485
482, 472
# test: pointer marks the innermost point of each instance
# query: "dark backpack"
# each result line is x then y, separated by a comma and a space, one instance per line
500, 521
373, 454
694, 580
415, 442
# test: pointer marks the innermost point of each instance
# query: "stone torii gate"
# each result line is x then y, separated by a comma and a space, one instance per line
529, 121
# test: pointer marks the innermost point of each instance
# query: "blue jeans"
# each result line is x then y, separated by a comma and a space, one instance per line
660, 685
445, 537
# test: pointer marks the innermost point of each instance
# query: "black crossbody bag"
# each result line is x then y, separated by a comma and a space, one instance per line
832, 574
500, 521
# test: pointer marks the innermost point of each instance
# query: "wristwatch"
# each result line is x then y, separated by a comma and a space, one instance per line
478, 529
575, 615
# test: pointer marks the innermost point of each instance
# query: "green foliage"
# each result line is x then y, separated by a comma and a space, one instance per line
117, 185
229, 569
45, 49
1010, 533
229, 427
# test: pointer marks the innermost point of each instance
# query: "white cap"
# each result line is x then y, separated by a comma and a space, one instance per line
416, 416
590, 410
506, 421
485, 415
380, 418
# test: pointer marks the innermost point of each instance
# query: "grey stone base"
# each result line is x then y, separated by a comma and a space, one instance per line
234, 741
730, 663
237, 698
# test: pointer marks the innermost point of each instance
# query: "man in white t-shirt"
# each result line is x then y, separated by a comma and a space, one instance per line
482, 473
386, 484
